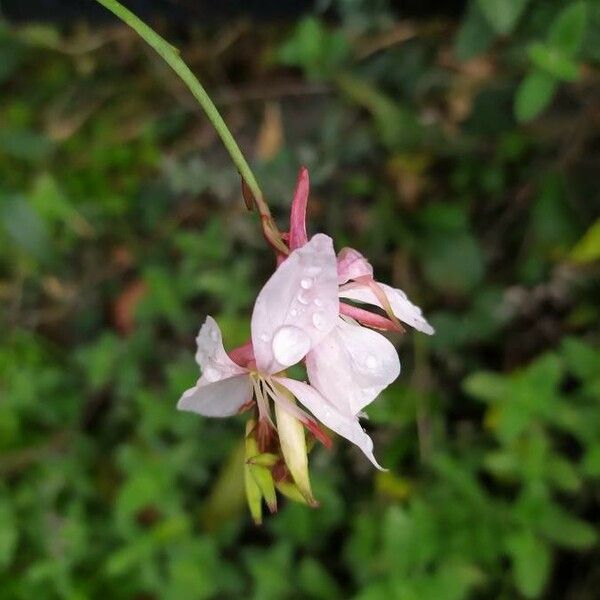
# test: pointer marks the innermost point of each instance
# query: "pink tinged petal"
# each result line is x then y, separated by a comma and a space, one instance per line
343, 424
211, 355
297, 235
222, 398
243, 355
297, 307
367, 318
351, 264
403, 308
351, 366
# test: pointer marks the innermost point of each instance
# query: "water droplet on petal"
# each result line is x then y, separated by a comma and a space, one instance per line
265, 337
371, 362
294, 312
303, 299
290, 344
318, 302
313, 271
306, 283
318, 320
214, 334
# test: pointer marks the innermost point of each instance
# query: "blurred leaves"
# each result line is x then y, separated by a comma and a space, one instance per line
503, 15
313, 47
531, 563
587, 248
553, 60
534, 94
116, 243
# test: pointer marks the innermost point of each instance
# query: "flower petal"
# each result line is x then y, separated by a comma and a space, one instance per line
222, 398
403, 308
242, 355
367, 318
298, 235
211, 355
351, 264
351, 366
343, 424
297, 307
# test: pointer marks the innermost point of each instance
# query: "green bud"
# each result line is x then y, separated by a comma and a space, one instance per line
260, 475
253, 496
293, 447
290, 490
266, 459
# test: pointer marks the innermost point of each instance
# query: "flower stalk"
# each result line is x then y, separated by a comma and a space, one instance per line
252, 193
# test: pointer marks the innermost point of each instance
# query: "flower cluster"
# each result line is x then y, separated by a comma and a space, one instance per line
320, 310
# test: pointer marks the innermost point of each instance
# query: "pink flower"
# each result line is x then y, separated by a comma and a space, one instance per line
353, 364
294, 312
355, 276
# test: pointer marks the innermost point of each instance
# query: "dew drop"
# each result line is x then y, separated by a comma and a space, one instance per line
290, 344
214, 334
303, 299
318, 320
313, 271
318, 302
306, 283
294, 312
265, 337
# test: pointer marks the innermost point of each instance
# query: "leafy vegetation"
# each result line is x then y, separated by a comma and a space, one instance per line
461, 157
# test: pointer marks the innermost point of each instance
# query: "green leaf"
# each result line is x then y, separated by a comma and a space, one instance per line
24, 225
194, 571
533, 95
591, 461
52, 205
474, 36
452, 256
553, 61
489, 387
503, 15
582, 359
314, 48
25, 145
566, 530
228, 493
398, 125
587, 248
316, 582
531, 560
567, 30
8, 532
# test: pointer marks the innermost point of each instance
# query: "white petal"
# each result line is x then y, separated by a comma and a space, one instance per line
343, 424
297, 307
352, 365
222, 398
351, 264
211, 355
403, 308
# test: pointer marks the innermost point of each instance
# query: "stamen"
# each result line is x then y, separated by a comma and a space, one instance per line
264, 412
297, 412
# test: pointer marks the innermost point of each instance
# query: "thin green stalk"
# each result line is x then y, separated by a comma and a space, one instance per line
172, 58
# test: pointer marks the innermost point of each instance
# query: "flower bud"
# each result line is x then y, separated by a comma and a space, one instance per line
258, 479
293, 447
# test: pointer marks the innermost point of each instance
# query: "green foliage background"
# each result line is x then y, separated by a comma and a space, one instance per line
462, 158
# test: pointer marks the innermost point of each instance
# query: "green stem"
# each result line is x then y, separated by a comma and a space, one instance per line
172, 58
